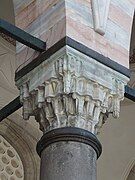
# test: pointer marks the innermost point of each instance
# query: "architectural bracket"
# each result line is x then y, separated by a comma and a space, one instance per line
100, 10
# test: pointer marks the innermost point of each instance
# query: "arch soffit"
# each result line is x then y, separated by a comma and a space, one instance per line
128, 169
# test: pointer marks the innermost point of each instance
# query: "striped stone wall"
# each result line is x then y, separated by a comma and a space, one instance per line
44, 19
51, 20
115, 43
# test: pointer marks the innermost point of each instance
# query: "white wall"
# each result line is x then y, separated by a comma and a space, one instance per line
118, 140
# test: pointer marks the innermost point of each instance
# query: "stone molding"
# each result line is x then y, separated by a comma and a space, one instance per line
100, 10
67, 41
69, 134
70, 89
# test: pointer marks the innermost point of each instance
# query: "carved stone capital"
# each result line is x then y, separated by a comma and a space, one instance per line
71, 89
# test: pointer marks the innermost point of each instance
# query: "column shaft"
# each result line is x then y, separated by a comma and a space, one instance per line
68, 161
68, 154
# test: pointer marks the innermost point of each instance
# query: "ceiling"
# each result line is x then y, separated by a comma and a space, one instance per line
7, 5
8, 90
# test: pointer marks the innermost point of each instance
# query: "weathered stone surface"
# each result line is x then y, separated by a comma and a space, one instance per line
71, 89
68, 160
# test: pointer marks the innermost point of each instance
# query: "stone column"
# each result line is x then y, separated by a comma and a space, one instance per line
68, 153
71, 95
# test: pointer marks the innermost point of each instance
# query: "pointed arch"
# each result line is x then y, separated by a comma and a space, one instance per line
132, 54
24, 146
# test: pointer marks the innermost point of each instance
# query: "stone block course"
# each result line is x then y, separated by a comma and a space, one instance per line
51, 20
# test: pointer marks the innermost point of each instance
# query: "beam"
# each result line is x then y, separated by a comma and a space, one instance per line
67, 41
130, 93
10, 108
22, 36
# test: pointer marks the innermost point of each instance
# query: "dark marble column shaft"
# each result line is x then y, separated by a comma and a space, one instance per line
70, 159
